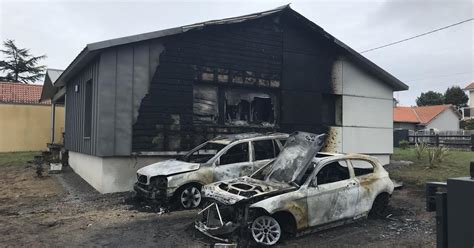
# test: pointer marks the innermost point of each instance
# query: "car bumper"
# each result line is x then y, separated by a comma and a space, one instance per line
151, 195
216, 230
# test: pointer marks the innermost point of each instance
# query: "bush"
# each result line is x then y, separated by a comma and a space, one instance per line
404, 144
467, 124
436, 155
420, 149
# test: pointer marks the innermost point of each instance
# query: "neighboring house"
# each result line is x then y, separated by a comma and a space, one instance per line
468, 112
24, 121
131, 100
437, 117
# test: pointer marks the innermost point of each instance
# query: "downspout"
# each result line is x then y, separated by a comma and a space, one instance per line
53, 117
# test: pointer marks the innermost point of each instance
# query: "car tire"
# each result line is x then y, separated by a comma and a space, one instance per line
189, 197
379, 207
265, 230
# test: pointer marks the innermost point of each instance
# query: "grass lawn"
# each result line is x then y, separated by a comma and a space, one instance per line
456, 164
16, 158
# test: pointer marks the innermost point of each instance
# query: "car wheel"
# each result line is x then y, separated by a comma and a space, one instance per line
379, 206
266, 230
190, 197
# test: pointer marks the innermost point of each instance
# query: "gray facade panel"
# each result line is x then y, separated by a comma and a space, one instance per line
124, 108
75, 110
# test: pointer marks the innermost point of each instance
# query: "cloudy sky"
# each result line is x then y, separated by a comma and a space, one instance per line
61, 29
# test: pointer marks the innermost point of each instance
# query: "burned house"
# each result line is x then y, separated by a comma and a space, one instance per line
132, 100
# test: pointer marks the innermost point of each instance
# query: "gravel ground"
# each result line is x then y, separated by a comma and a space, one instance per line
63, 210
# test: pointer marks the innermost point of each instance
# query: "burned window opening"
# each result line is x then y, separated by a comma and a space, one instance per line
244, 107
333, 172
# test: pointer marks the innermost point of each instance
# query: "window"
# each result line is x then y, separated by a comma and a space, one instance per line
236, 154
249, 107
205, 107
362, 167
88, 110
333, 172
263, 149
202, 154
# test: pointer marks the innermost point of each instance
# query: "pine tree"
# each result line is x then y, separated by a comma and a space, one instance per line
20, 65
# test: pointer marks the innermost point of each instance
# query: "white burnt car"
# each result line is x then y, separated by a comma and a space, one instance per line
300, 190
224, 157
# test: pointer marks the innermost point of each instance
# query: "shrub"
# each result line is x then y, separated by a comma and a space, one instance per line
436, 155
420, 149
467, 124
404, 144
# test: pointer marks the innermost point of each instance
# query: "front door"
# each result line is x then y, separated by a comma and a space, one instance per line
235, 162
333, 194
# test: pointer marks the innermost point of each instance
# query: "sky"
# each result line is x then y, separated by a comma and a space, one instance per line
61, 29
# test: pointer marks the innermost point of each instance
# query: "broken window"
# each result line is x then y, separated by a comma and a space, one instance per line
263, 149
205, 108
236, 154
362, 167
333, 172
248, 107
202, 153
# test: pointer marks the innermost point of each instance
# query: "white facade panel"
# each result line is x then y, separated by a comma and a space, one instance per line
367, 140
367, 112
350, 80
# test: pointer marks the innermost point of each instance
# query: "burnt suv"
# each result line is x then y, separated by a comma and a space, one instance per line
224, 157
301, 190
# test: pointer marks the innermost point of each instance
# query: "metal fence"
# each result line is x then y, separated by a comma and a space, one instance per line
462, 139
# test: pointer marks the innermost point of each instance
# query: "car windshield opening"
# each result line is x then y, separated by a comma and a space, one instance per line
202, 153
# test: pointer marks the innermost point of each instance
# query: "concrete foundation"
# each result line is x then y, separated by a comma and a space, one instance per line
109, 174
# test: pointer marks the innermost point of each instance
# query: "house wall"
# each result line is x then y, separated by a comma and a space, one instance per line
75, 110
471, 99
26, 127
109, 175
404, 125
446, 120
367, 111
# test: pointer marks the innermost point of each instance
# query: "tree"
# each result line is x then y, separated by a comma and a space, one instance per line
456, 96
20, 65
430, 98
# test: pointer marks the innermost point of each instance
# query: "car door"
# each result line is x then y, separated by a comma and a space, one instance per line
234, 162
332, 194
263, 152
364, 174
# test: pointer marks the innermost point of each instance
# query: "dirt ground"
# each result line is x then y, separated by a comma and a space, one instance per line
63, 210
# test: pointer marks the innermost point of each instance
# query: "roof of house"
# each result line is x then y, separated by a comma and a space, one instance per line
470, 86
20, 93
50, 77
419, 115
93, 49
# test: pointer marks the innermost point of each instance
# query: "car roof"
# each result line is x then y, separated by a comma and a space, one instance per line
229, 138
323, 156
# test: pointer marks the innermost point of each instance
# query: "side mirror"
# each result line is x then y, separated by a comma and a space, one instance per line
217, 162
314, 183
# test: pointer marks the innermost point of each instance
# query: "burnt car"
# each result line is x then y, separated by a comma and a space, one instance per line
224, 157
301, 190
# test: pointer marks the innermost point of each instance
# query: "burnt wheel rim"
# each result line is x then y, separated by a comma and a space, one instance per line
266, 230
190, 197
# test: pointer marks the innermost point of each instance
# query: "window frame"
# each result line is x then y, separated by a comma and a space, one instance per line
274, 145
88, 109
218, 156
313, 178
365, 160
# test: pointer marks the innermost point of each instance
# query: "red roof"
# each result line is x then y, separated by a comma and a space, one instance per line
20, 93
422, 115
470, 86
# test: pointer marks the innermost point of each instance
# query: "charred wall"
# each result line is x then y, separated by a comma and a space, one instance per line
208, 80
244, 56
306, 85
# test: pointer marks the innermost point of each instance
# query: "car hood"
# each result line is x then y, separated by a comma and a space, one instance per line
293, 161
231, 191
167, 167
